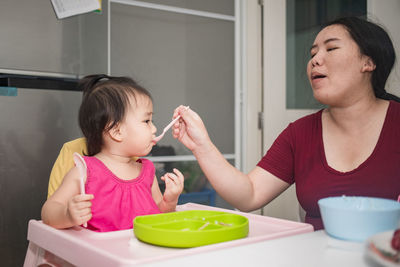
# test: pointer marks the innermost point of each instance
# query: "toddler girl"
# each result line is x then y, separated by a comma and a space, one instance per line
116, 118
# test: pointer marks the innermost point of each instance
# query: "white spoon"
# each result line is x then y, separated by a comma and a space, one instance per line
158, 138
81, 165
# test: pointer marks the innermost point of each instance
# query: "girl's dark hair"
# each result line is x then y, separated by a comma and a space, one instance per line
104, 104
374, 42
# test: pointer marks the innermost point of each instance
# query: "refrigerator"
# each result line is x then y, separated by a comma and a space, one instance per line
34, 125
41, 58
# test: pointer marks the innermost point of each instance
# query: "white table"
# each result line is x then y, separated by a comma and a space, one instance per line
308, 250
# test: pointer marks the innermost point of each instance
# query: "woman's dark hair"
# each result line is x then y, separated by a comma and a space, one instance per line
374, 42
104, 104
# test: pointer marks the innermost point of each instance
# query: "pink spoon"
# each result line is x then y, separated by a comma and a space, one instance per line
81, 165
158, 138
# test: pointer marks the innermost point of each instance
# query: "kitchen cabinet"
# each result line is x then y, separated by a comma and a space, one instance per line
35, 42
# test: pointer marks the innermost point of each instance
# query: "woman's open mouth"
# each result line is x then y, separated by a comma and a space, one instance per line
317, 79
315, 76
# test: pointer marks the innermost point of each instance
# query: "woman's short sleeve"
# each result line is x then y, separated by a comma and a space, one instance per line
279, 159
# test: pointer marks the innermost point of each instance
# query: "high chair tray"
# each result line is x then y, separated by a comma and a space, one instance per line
82, 247
190, 228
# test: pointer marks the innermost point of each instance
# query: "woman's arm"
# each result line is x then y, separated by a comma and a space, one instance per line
66, 207
245, 192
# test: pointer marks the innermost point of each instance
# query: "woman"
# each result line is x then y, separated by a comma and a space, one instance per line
352, 147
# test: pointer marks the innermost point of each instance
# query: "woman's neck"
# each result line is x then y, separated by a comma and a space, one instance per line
357, 114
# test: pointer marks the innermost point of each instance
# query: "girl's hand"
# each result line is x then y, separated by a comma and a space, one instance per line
173, 186
78, 209
190, 129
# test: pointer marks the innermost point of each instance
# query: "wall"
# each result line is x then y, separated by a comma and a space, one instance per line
386, 13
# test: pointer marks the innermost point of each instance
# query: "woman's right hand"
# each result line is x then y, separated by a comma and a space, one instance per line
79, 210
190, 129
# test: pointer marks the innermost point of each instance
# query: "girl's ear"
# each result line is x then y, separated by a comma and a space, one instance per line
116, 133
369, 65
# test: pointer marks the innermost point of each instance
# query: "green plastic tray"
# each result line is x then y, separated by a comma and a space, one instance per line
192, 228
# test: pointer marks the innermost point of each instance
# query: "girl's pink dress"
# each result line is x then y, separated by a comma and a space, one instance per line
117, 202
